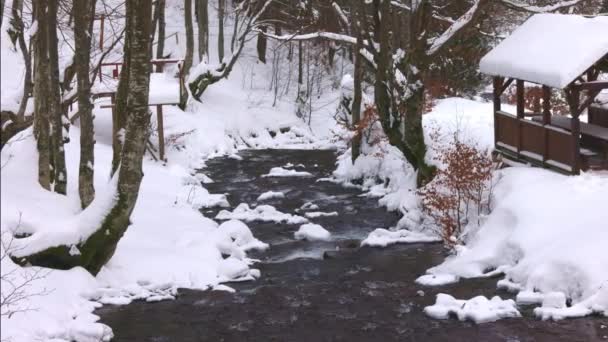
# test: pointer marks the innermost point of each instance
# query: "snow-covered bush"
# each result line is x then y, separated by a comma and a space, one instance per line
461, 192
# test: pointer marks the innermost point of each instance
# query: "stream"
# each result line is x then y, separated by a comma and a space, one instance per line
325, 291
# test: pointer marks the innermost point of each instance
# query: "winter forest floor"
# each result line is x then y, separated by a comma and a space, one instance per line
329, 290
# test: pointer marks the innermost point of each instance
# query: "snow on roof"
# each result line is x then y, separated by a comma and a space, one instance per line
549, 49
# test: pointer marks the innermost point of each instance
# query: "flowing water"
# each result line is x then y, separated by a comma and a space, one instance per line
325, 291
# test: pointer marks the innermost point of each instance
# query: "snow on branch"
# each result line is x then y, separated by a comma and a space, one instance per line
308, 36
341, 14
464, 21
518, 5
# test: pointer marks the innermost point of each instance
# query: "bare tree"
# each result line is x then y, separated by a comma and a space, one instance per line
202, 21
58, 139
99, 247
160, 46
220, 34
13, 123
400, 65
358, 80
84, 11
189, 36
249, 22
41, 95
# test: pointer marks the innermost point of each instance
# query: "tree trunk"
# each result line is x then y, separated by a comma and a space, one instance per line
120, 106
220, 34
189, 36
300, 64
358, 79
604, 9
160, 46
261, 46
58, 139
41, 95
1, 12
100, 246
83, 17
400, 106
236, 30
202, 21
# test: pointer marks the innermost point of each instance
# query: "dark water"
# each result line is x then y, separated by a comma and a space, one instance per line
356, 294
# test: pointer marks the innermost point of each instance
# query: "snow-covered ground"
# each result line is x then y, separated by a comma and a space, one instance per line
170, 244
547, 232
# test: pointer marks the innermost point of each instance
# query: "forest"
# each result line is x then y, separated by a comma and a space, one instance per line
303, 170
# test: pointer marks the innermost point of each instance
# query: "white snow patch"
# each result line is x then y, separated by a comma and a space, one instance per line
383, 237
271, 195
436, 279
316, 214
281, 172
478, 309
266, 213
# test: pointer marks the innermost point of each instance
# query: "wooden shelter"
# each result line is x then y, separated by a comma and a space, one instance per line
565, 52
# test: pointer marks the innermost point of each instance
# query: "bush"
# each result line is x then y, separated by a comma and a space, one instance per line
461, 192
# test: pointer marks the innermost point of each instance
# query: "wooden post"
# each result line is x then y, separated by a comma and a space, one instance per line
520, 111
161, 132
520, 99
546, 120
102, 18
498, 83
576, 128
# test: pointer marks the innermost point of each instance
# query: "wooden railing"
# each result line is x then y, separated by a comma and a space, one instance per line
159, 65
542, 144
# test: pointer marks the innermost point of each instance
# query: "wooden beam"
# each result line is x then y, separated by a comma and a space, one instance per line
588, 101
520, 99
506, 85
593, 85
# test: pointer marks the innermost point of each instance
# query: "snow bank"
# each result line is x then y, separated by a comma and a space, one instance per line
266, 213
382, 237
478, 309
556, 246
270, 195
312, 232
281, 172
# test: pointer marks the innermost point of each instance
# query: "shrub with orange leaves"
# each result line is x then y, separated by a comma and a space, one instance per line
461, 192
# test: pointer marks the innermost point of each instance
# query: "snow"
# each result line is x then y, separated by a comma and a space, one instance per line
169, 244
312, 232
316, 214
382, 237
281, 172
265, 213
478, 309
549, 49
436, 279
270, 195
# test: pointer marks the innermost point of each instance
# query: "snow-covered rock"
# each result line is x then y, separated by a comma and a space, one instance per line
478, 309
281, 172
383, 237
312, 232
316, 214
265, 213
270, 195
